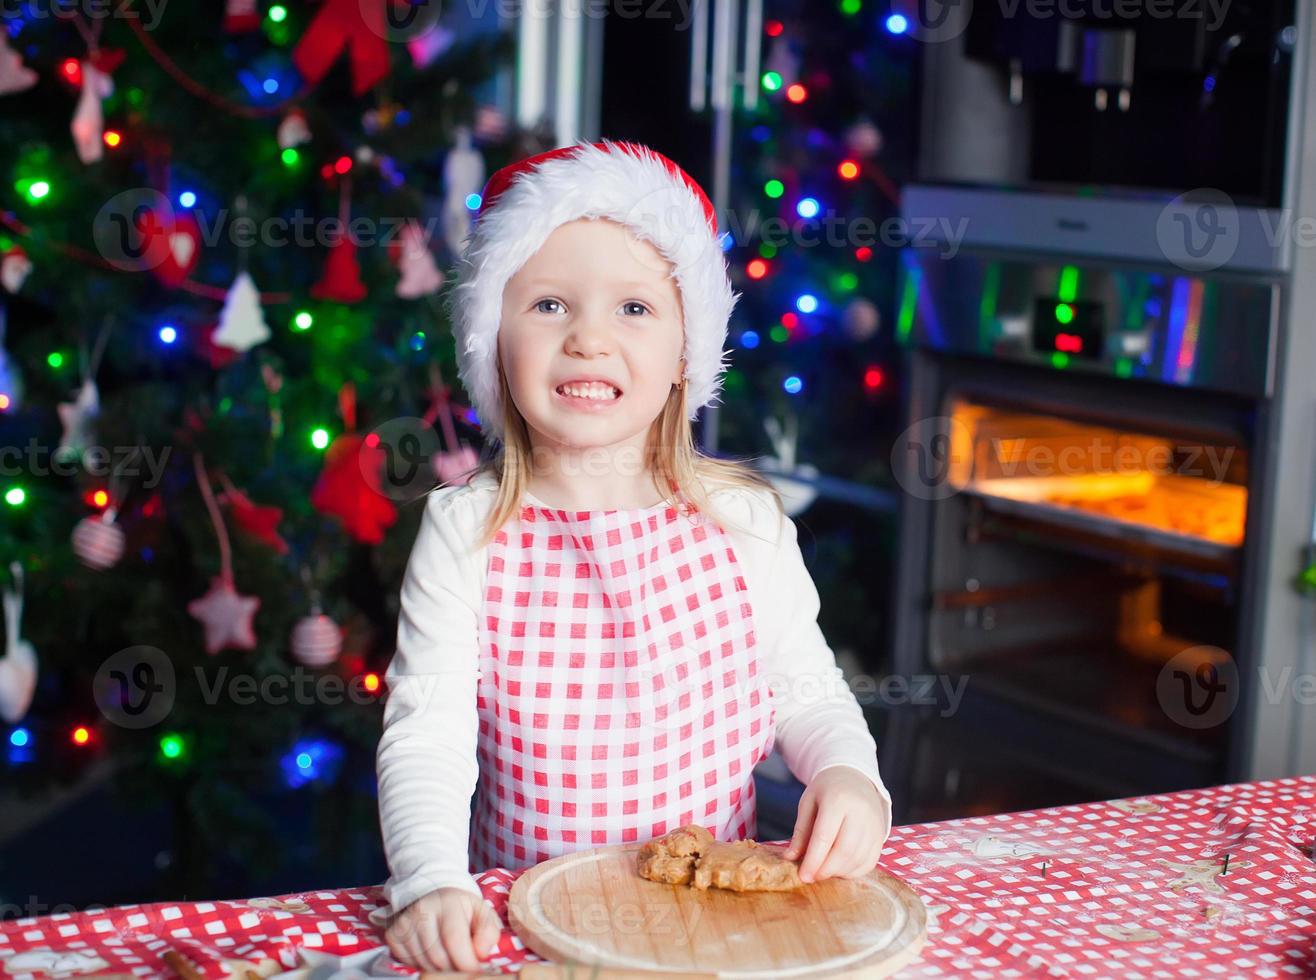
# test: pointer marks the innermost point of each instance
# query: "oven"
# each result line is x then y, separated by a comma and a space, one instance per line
1081, 525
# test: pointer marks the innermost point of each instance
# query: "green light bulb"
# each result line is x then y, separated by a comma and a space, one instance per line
320, 438
771, 81
16, 496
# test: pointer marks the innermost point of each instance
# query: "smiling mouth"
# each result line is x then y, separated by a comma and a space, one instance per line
594, 391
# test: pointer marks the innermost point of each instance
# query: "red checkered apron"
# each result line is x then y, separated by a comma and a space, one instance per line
621, 693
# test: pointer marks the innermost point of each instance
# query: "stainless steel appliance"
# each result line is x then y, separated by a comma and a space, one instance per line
1107, 473
1080, 522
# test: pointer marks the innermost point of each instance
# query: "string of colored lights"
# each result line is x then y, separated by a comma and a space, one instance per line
160, 57
78, 254
809, 207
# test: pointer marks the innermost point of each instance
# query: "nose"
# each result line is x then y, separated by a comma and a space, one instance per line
588, 336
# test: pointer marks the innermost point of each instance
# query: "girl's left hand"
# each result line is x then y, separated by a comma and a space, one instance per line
841, 825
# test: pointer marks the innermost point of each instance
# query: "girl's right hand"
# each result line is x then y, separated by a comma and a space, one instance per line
448, 929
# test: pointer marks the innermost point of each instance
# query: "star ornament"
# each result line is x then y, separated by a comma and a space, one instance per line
225, 616
327, 966
259, 521
78, 418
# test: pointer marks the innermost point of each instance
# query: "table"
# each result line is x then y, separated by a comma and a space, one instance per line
1130, 888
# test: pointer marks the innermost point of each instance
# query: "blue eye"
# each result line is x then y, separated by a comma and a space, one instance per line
540, 305
635, 304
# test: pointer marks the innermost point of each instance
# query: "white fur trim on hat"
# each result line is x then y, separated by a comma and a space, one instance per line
635, 189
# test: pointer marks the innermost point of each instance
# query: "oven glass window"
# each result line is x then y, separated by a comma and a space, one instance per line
1176, 491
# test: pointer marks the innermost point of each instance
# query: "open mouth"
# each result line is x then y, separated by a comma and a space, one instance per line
591, 391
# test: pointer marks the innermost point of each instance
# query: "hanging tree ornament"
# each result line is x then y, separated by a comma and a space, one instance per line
344, 490
341, 279
427, 45
97, 540
293, 130
863, 138
170, 243
260, 522
491, 124
242, 321
420, 276
454, 465
862, 319
15, 267
14, 75
18, 668
240, 16
88, 124
78, 417
463, 175
225, 615
316, 639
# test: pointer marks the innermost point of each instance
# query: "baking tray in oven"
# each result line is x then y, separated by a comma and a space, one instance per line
1171, 513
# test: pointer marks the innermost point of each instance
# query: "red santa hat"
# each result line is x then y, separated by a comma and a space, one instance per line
626, 182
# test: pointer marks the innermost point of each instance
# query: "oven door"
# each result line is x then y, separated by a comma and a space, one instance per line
1085, 550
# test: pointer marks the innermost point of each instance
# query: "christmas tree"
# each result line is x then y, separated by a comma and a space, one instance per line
224, 387
822, 149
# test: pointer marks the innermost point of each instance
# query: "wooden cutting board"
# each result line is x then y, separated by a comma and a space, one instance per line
593, 908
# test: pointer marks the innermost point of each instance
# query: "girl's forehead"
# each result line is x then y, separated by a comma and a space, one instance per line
600, 248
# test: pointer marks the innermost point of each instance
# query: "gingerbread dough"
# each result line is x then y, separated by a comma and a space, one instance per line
691, 856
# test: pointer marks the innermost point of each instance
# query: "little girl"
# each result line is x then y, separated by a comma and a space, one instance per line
604, 631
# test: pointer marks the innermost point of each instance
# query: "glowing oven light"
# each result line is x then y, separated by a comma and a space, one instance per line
1069, 343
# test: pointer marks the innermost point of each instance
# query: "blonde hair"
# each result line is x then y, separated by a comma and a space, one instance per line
670, 455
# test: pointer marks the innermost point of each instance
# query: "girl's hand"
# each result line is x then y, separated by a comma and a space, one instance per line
447, 930
843, 822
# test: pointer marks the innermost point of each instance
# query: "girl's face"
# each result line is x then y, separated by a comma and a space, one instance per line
591, 337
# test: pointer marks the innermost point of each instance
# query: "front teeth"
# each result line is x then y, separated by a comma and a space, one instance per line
596, 391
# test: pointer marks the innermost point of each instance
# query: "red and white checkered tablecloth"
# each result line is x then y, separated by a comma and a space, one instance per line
1133, 888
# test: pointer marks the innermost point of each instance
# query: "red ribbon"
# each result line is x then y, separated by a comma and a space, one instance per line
358, 26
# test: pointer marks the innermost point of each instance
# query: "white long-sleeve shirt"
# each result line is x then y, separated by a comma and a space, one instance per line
427, 755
